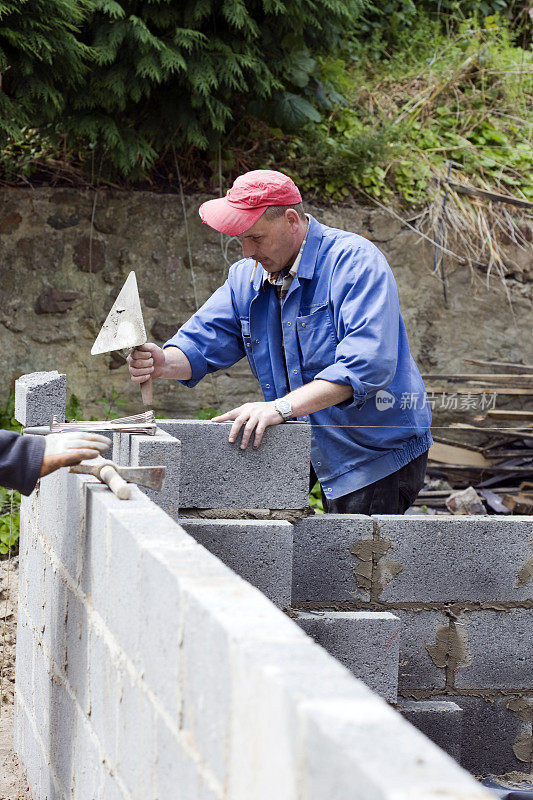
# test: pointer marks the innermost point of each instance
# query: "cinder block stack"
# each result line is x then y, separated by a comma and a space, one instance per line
147, 667
144, 661
463, 590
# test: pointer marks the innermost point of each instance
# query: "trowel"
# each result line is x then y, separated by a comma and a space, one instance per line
124, 328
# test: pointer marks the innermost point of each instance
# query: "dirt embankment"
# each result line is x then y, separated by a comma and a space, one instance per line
13, 784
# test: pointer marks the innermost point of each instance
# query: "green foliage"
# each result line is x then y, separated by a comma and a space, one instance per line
207, 413
7, 414
182, 74
9, 521
73, 409
315, 499
110, 404
41, 54
464, 97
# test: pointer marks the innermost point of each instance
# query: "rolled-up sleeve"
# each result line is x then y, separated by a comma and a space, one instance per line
211, 339
366, 316
21, 459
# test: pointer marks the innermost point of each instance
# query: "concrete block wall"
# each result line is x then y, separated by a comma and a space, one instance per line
148, 669
463, 590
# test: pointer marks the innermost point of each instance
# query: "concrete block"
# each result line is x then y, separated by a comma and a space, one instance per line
111, 790
31, 585
338, 752
136, 749
496, 734
160, 631
54, 614
40, 395
207, 677
60, 736
24, 657
417, 670
439, 720
216, 474
121, 449
123, 587
332, 558
161, 449
87, 770
446, 559
95, 546
260, 551
174, 766
77, 651
106, 678
366, 642
496, 650
40, 703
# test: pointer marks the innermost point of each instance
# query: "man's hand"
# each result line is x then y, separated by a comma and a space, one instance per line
147, 360
65, 449
254, 416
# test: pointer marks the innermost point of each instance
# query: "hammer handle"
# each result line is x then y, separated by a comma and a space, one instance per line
118, 485
147, 392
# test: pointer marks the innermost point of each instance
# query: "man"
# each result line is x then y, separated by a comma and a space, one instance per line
25, 459
315, 310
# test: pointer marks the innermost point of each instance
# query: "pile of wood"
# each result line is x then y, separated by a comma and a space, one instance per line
494, 454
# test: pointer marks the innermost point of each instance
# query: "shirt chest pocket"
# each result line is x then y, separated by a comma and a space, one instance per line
317, 339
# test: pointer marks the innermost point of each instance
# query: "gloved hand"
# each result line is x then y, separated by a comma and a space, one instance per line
65, 449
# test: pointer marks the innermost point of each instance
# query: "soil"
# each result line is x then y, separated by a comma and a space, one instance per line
13, 784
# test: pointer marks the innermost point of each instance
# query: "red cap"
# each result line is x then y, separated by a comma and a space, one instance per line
247, 200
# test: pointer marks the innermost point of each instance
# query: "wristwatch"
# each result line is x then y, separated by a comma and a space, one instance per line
284, 408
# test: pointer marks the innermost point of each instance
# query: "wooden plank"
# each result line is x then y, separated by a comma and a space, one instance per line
499, 390
498, 198
465, 445
456, 455
510, 414
485, 377
512, 367
518, 504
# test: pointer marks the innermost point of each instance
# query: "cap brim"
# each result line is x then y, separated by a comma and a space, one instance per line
225, 218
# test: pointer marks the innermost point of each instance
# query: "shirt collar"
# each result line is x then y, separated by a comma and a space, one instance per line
279, 277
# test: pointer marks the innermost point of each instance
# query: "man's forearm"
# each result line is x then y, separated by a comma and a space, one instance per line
177, 365
317, 395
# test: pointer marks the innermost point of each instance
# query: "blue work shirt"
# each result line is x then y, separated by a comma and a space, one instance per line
340, 322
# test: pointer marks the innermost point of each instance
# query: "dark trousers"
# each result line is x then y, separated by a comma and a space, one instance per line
393, 494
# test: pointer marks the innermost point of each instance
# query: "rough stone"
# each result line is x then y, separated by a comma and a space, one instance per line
162, 331
332, 558
10, 222
499, 650
447, 559
216, 474
159, 450
39, 396
62, 219
260, 552
439, 720
89, 254
366, 642
55, 301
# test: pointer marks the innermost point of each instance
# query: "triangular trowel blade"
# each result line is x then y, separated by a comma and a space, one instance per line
124, 326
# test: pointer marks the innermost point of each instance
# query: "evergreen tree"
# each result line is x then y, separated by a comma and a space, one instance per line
40, 55
183, 72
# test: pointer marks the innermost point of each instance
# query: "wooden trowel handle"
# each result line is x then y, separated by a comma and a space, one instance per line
147, 392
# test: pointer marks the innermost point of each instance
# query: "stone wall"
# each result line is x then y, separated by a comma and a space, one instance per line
64, 255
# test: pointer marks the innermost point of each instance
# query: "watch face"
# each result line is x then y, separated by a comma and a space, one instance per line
284, 408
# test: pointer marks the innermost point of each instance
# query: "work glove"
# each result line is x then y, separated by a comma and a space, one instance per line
65, 449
